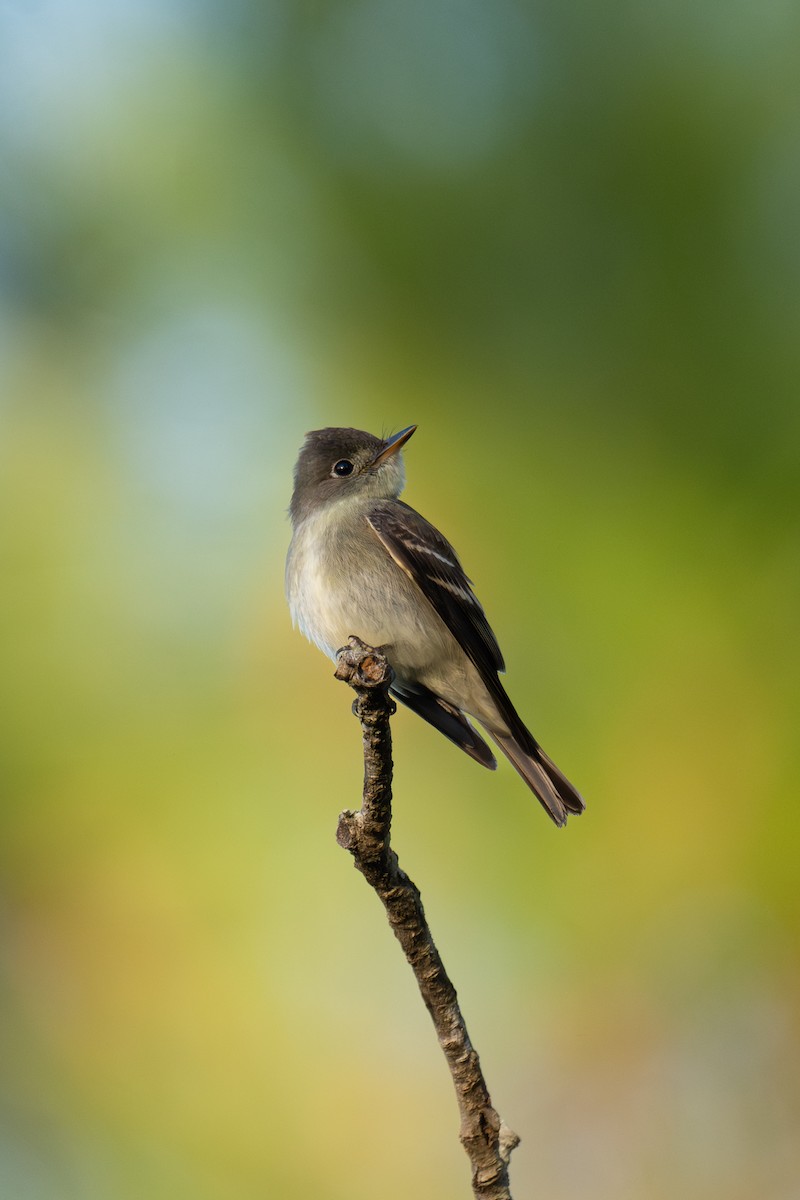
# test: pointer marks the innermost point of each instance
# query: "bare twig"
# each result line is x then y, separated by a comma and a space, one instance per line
486, 1138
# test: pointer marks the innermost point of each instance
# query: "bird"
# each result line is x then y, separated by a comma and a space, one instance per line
363, 562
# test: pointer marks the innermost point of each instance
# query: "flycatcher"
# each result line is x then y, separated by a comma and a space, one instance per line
362, 562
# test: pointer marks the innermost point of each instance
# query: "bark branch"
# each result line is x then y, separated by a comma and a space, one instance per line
366, 834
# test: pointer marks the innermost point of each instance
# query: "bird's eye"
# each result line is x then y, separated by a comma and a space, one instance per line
343, 467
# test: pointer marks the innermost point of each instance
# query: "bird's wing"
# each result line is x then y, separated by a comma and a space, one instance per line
432, 563
429, 559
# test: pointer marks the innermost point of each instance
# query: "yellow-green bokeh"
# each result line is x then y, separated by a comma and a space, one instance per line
565, 243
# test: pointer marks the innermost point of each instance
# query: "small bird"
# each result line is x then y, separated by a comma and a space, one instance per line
363, 562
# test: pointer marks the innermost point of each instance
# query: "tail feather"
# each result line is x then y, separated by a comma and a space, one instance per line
549, 785
570, 796
506, 729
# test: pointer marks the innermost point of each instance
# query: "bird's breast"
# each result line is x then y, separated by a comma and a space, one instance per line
341, 580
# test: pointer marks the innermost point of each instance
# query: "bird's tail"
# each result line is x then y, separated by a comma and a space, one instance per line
542, 776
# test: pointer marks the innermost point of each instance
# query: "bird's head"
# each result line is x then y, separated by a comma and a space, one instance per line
340, 464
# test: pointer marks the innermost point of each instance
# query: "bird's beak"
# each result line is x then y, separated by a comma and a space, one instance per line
392, 445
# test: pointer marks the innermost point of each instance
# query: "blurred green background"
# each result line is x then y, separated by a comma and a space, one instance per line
565, 240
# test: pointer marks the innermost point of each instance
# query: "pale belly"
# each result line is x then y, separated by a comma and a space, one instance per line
339, 585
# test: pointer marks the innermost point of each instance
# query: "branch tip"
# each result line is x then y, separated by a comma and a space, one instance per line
361, 666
